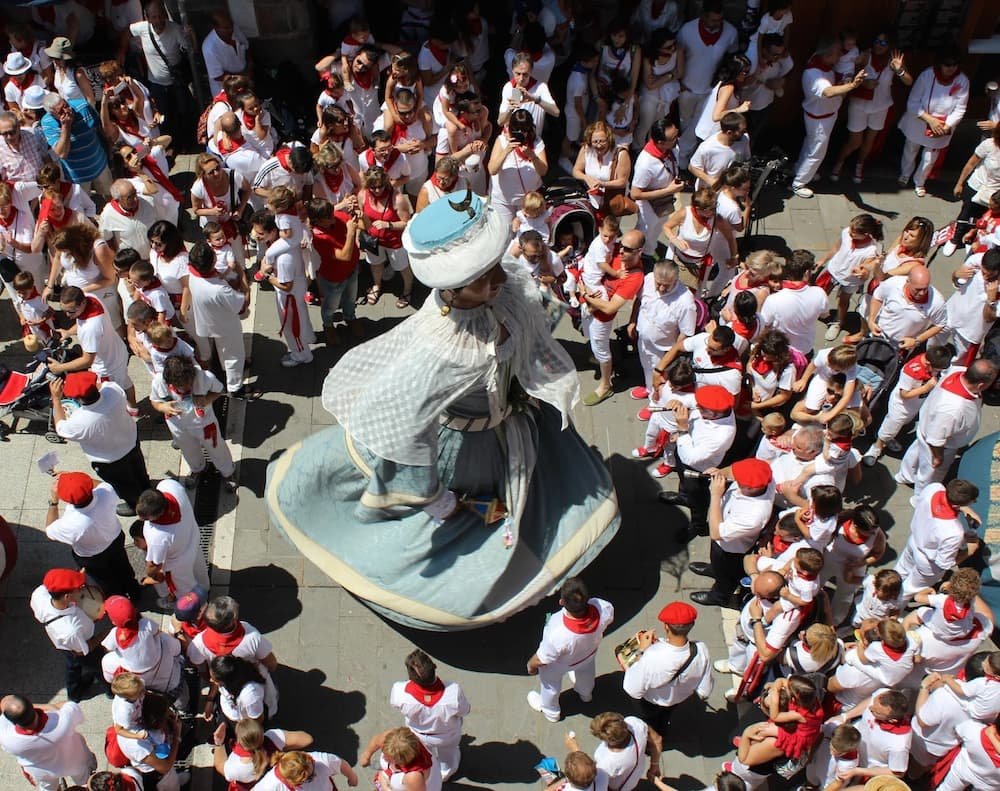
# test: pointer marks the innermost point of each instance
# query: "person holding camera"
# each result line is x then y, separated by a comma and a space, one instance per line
518, 163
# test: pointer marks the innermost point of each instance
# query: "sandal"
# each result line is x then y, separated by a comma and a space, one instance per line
373, 294
404, 301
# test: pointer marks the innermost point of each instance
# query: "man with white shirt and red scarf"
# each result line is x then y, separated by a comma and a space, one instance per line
45, 742
885, 734
947, 422
291, 167
174, 560
383, 154
655, 182
938, 539
907, 310
821, 102
977, 763
239, 153
569, 645
432, 709
126, 218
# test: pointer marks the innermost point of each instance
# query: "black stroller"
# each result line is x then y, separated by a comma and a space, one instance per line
878, 368
25, 396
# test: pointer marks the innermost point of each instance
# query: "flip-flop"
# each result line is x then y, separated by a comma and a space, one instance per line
595, 398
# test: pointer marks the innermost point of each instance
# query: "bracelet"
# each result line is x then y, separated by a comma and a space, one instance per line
660, 371
53, 503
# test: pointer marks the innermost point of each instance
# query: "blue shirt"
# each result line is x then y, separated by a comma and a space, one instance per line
86, 159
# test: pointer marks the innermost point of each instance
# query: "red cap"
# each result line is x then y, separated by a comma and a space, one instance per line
678, 613
57, 581
75, 488
121, 612
752, 473
79, 384
714, 397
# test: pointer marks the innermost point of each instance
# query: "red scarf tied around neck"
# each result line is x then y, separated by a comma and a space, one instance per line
953, 611
171, 514
161, 178
427, 696
585, 625
708, 37
223, 643
652, 149
41, 718
816, 62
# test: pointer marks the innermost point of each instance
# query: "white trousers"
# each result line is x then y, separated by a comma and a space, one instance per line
233, 356
752, 780
599, 333
897, 414
446, 748
186, 574
651, 224
916, 574
550, 682
817, 140
689, 109
46, 782
957, 781
195, 446
663, 421
916, 465
296, 327
909, 166
649, 355
201, 346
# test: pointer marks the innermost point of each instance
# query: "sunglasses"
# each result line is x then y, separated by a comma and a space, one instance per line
882, 41
627, 249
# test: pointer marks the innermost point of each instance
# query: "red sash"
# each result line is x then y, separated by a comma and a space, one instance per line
223, 643
988, 747
161, 178
427, 696
918, 368
651, 149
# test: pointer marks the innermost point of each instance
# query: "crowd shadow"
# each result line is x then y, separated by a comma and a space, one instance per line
270, 593
497, 762
265, 418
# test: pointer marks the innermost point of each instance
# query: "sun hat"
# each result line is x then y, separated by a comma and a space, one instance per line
33, 98
61, 48
455, 240
16, 64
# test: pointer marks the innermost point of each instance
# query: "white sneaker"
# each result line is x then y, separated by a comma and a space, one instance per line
871, 456
574, 303
571, 675
898, 478
920, 192
833, 331
803, 192
722, 666
535, 701
948, 249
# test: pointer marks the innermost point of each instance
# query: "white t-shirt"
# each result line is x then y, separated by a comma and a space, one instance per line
248, 704
743, 518
89, 529
539, 91
564, 648
662, 318
222, 58
701, 61
624, 767
104, 429
129, 231
97, 336
814, 103
654, 677
69, 629
441, 719
900, 318
172, 42
713, 157
127, 714
986, 176
173, 545
795, 312
973, 764
191, 422
57, 752
965, 309
731, 378
215, 306
882, 748
327, 765
238, 770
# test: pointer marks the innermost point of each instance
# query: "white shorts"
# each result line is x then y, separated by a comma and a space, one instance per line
120, 377
574, 126
599, 333
396, 258
850, 287
859, 118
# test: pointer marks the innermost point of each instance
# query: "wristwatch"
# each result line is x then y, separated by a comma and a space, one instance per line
755, 621
53, 503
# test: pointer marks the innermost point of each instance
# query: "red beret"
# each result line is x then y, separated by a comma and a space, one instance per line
121, 612
714, 397
80, 384
57, 581
678, 613
75, 487
752, 473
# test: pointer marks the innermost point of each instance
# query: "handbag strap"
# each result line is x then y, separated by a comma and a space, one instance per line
157, 47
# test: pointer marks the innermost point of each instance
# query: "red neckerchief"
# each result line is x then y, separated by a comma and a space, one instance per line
440, 53
742, 329
13, 217
195, 273
894, 727
154, 283
220, 97
192, 630
282, 155
389, 160
45, 215
940, 507
130, 125
171, 514
34, 293
437, 182
816, 62
333, 179
227, 145
806, 575
366, 80
953, 384
422, 763
585, 625
249, 121
532, 82
354, 42
953, 611
281, 779
427, 696
857, 244
909, 297
844, 443
400, 131
940, 78
652, 149
23, 81
268, 747
879, 63
844, 528
988, 746
118, 208
707, 222
93, 308
519, 153
849, 756
918, 368
708, 37
224, 643
892, 653
161, 178
761, 365
778, 544
127, 635
793, 285
730, 359
41, 718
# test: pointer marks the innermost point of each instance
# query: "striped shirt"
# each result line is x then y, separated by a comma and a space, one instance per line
86, 159
24, 163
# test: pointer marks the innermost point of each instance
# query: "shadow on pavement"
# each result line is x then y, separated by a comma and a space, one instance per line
497, 762
269, 594
309, 705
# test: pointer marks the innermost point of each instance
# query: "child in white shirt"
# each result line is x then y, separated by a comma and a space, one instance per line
881, 597
850, 60
774, 443
147, 287
34, 312
126, 707
533, 216
163, 344
596, 263
225, 259
801, 582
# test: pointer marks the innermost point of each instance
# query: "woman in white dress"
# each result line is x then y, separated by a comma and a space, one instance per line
70, 81
87, 262
725, 96
597, 158
662, 72
517, 163
691, 232
444, 180
17, 230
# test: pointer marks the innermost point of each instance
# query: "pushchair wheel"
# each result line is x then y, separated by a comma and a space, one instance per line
51, 436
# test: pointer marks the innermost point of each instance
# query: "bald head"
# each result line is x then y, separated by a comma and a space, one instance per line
767, 584
980, 376
632, 244
919, 277
18, 710
229, 123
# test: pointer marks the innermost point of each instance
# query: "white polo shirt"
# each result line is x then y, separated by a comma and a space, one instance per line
950, 414
69, 629
662, 317
743, 518
936, 533
652, 678
216, 306
57, 751
881, 747
814, 103
713, 157
900, 318
624, 767
91, 528
97, 336
565, 648
702, 60
104, 429
129, 231
706, 443
173, 545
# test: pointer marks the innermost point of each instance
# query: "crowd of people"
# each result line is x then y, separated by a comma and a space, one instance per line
864, 674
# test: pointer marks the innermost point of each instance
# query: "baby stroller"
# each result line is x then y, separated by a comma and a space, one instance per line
878, 368
570, 210
25, 396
